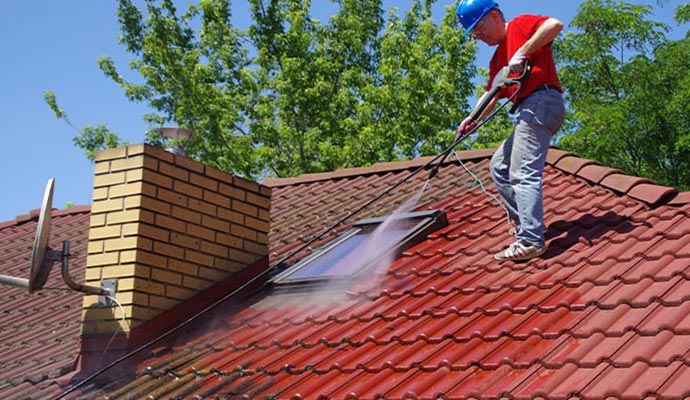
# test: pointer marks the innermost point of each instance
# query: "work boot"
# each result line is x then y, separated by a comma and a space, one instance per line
520, 251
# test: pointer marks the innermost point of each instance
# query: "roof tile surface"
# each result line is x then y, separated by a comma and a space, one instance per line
604, 313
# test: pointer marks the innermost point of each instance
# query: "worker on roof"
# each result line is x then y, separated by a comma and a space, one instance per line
518, 163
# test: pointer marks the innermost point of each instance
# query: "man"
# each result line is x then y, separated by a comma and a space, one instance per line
518, 164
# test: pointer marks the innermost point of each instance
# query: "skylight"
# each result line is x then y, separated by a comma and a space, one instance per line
362, 246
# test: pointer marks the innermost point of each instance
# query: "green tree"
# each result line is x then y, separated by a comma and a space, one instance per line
195, 79
309, 81
293, 95
627, 90
421, 88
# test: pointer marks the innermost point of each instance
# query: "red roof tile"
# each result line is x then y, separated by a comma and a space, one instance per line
622, 183
595, 173
604, 313
573, 164
651, 193
555, 155
680, 199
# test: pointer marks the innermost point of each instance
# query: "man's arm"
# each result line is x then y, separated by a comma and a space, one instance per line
545, 34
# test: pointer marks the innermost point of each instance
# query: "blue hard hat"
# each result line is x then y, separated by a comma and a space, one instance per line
469, 12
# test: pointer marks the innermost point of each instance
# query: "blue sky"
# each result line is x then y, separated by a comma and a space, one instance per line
54, 46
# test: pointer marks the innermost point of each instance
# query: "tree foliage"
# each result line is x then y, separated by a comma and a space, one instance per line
292, 94
627, 91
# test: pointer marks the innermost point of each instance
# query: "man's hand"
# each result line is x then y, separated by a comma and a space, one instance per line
467, 125
517, 63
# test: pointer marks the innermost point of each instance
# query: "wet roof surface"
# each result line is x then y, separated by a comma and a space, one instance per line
605, 312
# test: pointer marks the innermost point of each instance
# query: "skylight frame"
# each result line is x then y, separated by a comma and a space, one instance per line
428, 221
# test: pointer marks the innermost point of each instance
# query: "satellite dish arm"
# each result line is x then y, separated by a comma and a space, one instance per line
16, 282
51, 257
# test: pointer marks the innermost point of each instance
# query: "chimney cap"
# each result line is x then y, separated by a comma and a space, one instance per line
176, 133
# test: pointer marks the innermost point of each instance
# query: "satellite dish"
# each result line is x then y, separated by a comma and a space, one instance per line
40, 264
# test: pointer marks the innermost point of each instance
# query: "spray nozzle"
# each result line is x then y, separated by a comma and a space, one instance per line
434, 171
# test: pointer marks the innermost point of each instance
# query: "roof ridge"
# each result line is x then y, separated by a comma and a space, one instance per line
641, 189
377, 168
34, 214
638, 188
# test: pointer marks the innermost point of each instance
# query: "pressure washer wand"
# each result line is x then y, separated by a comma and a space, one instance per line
501, 80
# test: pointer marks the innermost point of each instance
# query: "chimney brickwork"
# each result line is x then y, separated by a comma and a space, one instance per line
166, 228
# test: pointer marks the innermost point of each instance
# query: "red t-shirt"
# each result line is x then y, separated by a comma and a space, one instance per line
519, 30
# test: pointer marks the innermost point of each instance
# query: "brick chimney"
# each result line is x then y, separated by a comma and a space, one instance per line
166, 228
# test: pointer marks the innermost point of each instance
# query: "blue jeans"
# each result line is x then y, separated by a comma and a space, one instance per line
518, 163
